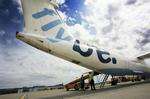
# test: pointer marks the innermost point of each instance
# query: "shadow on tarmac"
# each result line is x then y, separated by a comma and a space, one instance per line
88, 92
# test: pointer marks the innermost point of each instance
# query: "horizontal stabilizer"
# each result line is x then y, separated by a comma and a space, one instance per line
146, 56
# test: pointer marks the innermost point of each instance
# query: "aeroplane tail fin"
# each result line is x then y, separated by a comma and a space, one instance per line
142, 57
42, 18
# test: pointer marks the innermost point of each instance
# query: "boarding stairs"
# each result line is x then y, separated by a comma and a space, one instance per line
103, 78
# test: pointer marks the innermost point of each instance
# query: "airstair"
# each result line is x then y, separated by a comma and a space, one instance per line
103, 78
75, 84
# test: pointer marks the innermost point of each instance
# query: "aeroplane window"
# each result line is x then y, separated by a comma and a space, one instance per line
50, 51
76, 62
41, 41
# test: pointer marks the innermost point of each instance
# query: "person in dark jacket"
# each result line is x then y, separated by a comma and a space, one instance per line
91, 81
82, 83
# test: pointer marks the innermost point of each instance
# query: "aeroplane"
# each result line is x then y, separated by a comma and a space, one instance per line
45, 30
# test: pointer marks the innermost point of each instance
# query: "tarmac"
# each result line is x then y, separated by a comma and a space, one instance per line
138, 90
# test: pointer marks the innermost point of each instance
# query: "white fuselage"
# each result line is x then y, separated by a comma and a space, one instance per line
88, 57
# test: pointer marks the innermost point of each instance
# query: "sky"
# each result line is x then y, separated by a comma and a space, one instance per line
119, 26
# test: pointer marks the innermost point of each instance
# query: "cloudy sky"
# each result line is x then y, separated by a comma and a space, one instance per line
119, 26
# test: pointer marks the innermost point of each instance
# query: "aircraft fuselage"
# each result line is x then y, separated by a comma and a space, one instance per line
86, 56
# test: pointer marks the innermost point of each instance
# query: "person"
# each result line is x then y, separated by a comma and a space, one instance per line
82, 83
91, 81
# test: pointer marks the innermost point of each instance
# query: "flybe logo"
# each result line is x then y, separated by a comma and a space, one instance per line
100, 54
60, 36
44, 13
52, 24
